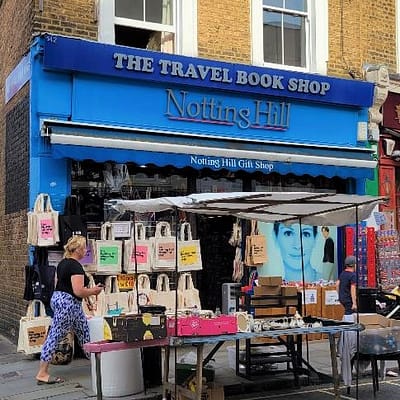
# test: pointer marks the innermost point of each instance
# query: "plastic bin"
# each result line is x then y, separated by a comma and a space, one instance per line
378, 341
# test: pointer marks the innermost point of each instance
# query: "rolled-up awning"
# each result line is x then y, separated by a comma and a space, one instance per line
163, 148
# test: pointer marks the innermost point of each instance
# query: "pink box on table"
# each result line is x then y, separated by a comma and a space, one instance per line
200, 326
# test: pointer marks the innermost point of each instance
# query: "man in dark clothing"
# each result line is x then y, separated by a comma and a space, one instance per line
328, 259
346, 286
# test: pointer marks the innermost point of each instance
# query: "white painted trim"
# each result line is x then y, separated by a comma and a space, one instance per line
106, 32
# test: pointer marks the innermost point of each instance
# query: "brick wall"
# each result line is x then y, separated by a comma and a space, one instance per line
361, 32
224, 30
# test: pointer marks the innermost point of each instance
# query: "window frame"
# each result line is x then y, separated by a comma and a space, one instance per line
184, 21
316, 37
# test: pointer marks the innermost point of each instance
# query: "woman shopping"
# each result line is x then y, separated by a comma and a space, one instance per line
66, 303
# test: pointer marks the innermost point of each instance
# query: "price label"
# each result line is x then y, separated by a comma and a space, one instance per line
126, 281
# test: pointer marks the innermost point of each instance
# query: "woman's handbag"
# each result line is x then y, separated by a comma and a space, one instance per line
188, 295
256, 247
189, 254
108, 251
43, 223
163, 295
138, 251
64, 351
33, 330
142, 294
115, 302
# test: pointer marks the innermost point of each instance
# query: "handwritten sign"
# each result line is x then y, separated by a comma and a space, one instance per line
189, 255
310, 296
122, 229
166, 251
37, 335
141, 253
108, 255
46, 228
126, 281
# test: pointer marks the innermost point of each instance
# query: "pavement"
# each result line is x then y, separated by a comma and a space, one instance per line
17, 379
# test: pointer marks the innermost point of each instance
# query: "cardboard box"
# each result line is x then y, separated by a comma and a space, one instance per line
266, 290
289, 291
265, 302
274, 311
376, 321
270, 280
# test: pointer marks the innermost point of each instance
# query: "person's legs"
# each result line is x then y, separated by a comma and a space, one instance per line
61, 304
81, 327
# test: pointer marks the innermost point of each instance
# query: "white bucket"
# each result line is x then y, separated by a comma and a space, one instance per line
121, 370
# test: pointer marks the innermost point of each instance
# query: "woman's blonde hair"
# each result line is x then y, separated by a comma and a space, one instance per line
74, 243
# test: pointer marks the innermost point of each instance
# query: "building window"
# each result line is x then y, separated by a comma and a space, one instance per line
150, 24
290, 34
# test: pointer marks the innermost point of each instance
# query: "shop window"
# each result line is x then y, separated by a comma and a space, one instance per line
290, 34
150, 24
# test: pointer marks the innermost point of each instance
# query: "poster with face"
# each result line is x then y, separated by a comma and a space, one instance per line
285, 258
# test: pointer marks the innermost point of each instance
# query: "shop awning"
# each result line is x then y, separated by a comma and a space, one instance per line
180, 150
315, 209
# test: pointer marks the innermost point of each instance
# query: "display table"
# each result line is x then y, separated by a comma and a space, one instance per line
200, 341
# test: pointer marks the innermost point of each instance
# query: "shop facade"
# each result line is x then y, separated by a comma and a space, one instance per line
176, 125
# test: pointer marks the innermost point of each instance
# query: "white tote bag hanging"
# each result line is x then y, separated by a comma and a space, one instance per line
115, 302
43, 223
143, 295
164, 251
163, 295
33, 330
139, 258
189, 254
108, 251
94, 305
188, 295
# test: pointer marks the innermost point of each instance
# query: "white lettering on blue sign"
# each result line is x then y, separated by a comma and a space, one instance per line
231, 163
197, 71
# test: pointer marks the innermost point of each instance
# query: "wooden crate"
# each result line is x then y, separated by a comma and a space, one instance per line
312, 307
330, 310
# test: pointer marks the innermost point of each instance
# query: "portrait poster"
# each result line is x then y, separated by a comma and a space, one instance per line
284, 250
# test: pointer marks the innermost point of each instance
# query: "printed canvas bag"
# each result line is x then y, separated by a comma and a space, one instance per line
189, 254
188, 295
138, 251
164, 250
115, 302
163, 295
108, 251
142, 294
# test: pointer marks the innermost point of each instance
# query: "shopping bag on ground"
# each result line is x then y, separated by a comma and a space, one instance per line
33, 329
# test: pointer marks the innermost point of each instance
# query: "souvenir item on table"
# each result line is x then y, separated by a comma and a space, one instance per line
141, 294
256, 247
33, 329
108, 251
43, 223
189, 254
115, 302
64, 351
188, 295
244, 321
89, 260
164, 250
163, 295
193, 325
71, 223
138, 251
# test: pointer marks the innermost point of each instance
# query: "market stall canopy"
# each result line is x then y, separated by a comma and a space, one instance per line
290, 207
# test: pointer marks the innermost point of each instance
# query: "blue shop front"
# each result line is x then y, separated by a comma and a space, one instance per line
111, 121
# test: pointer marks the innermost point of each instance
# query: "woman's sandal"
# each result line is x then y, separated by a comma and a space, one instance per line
52, 380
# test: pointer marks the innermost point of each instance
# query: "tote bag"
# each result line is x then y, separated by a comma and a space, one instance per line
256, 247
64, 352
108, 251
164, 250
94, 305
71, 222
115, 302
188, 295
33, 330
138, 251
43, 223
189, 254
142, 294
89, 260
163, 295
